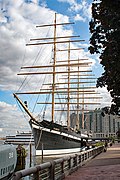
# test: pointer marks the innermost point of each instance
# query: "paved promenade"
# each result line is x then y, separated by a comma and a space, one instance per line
105, 166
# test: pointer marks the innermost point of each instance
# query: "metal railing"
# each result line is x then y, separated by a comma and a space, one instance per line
58, 169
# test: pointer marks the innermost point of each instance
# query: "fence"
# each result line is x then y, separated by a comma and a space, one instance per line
59, 168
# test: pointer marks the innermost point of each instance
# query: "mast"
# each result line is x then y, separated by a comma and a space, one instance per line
53, 73
77, 123
68, 98
54, 63
83, 110
53, 89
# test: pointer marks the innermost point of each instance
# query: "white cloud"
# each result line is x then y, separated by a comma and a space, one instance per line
74, 6
2, 18
106, 98
87, 11
35, 1
83, 8
79, 18
6, 107
68, 1
20, 26
12, 120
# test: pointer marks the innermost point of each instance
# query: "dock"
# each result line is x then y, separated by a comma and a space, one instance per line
103, 167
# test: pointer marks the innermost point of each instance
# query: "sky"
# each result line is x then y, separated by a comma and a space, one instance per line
18, 20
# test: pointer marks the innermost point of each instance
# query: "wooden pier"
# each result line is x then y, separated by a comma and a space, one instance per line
103, 167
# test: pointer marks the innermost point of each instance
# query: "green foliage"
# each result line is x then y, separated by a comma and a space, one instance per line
105, 40
99, 144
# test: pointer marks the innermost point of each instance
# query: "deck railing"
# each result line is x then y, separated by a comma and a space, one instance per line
59, 168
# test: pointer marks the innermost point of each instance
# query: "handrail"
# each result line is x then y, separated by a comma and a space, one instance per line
59, 168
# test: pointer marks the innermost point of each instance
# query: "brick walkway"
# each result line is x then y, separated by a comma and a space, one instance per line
105, 166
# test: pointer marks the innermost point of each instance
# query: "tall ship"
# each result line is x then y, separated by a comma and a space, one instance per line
63, 93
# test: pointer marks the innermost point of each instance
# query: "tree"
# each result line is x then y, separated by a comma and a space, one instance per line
105, 40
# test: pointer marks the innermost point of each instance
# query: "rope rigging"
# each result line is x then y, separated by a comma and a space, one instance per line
27, 82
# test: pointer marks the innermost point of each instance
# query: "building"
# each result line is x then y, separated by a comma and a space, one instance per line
98, 122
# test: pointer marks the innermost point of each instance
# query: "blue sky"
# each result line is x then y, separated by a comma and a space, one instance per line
17, 26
